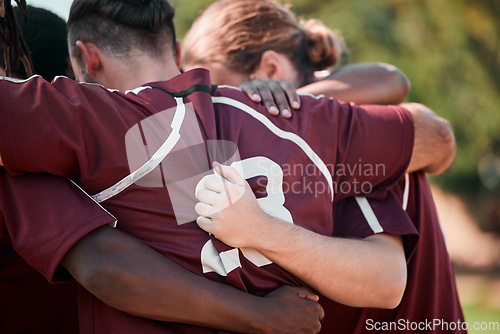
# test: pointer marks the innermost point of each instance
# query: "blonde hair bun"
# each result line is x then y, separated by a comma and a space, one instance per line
324, 46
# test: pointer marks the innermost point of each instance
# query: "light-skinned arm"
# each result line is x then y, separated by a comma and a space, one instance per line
434, 144
360, 273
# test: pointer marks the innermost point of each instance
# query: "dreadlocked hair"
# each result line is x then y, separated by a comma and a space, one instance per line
14, 46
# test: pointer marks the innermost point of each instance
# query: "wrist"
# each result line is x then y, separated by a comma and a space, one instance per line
273, 236
260, 236
258, 312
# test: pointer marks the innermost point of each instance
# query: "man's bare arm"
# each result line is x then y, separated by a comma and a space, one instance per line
130, 276
434, 148
363, 83
361, 273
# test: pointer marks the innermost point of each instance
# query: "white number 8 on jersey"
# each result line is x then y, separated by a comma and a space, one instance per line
273, 204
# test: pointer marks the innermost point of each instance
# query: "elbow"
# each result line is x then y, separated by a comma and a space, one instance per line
402, 86
399, 84
104, 263
435, 147
97, 281
387, 294
390, 288
108, 284
384, 292
393, 292
405, 87
447, 150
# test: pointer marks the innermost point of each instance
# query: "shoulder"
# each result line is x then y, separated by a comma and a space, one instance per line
17, 87
65, 84
62, 95
228, 98
231, 92
234, 95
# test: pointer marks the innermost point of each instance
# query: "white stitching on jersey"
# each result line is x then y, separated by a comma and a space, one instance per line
153, 162
317, 97
370, 216
85, 83
83, 191
406, 192
19, 81
230, 87
137, 90
280, 133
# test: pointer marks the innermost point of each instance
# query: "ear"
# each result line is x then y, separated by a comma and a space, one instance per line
178, 53
272, 65
91, 57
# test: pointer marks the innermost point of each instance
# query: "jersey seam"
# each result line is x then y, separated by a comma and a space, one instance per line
49, 266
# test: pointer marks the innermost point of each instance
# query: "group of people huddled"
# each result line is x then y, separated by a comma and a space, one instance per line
169, 189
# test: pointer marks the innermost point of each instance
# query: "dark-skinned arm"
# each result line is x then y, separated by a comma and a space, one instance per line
108, 263
434, 147
360, 83
363, 83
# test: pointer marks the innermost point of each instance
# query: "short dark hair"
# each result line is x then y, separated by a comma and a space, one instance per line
117, 25
45, 35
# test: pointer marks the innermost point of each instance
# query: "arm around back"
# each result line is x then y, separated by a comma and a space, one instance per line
434, 148
131, 277
363, 83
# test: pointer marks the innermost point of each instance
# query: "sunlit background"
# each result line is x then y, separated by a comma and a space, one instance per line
450, 50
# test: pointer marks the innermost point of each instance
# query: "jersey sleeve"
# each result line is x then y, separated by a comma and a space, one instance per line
374, 148
361, 217
45, 216
53, 127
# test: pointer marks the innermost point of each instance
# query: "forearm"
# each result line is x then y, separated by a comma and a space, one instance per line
131, 277
434, 147
363, 83
364, 273
360, 273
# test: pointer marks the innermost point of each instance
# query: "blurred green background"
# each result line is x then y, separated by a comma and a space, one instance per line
450, 50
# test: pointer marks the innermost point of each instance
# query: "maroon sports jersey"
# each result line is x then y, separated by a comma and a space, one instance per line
36, 208
109, 141
430, 303
344, 150
30, 304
